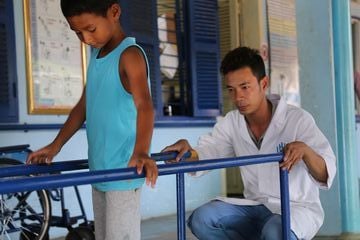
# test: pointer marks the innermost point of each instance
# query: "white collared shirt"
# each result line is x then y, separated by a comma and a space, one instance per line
230, 138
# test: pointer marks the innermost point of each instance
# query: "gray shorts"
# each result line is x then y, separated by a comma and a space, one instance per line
117, 215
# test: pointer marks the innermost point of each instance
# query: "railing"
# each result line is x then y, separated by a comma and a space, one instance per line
49, 181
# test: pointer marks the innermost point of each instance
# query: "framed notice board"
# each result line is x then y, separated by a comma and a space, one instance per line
55, 59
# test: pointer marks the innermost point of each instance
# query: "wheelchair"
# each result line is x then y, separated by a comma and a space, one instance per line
28, 215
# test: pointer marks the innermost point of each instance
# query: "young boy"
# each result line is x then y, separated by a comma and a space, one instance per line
117, 107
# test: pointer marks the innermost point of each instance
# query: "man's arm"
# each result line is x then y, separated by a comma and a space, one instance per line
217, 144
295, 151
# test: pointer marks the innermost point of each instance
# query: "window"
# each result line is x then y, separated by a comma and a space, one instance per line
183, 53
8, 76
172, 69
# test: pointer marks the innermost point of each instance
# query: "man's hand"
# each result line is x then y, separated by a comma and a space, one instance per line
141, 162
296, 151
43, 155
293, 153
182, 146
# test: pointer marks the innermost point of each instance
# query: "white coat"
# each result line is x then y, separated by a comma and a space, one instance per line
230, 138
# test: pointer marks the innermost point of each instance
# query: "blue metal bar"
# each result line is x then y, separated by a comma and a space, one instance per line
21, 184
33, 169
56, 167
79, 178
180, 193
167, 156
82, 209
285, 203
14, 148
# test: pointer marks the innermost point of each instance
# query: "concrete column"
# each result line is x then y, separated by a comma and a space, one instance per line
317, 89
344, 83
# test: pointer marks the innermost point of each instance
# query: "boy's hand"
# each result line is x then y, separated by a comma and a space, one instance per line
182, 146
145, 162
43, 155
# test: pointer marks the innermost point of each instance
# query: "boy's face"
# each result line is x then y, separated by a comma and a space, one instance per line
245, 91
94, 30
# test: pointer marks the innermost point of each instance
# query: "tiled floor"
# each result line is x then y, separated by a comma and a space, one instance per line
165, 228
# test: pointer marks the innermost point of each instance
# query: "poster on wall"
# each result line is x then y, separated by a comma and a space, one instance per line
284, 65
55, 59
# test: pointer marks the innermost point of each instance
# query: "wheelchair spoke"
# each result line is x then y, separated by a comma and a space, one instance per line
24, 215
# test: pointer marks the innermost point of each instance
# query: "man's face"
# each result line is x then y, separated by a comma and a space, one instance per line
245, 91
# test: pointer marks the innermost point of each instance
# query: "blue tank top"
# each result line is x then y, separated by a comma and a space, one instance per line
110, 117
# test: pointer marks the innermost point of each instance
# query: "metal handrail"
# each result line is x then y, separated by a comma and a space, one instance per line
56, 167
22, 183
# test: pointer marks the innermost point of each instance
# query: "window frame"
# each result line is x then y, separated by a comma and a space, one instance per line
196, 111
9, 111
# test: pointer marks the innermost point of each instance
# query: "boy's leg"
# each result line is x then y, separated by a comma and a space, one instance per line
221, 220
123, 215
99, 213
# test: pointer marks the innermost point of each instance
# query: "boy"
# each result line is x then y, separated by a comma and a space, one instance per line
117, 107
262, 125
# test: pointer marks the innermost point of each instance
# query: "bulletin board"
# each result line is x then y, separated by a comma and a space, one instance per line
55, 59
283, 50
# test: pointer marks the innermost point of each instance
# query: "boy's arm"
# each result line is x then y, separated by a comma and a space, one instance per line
75, 120
134, 69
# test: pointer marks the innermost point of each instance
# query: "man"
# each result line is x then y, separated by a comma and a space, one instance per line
262, 125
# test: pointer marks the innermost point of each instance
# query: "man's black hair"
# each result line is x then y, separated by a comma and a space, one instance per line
72, 8
242, 57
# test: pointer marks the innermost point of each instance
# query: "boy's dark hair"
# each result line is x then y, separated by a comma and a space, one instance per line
242, 57
72, 8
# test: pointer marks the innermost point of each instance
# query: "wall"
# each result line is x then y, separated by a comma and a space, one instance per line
251, 23
317, 88
155, 202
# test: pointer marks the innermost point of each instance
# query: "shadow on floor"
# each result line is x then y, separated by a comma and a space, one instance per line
163, 228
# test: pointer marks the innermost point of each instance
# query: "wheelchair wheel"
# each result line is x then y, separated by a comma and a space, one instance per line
24, 215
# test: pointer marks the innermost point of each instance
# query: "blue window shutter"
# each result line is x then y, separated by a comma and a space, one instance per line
8, 75
203, 56
139, 20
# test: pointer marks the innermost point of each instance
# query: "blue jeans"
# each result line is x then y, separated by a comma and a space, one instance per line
218, 220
